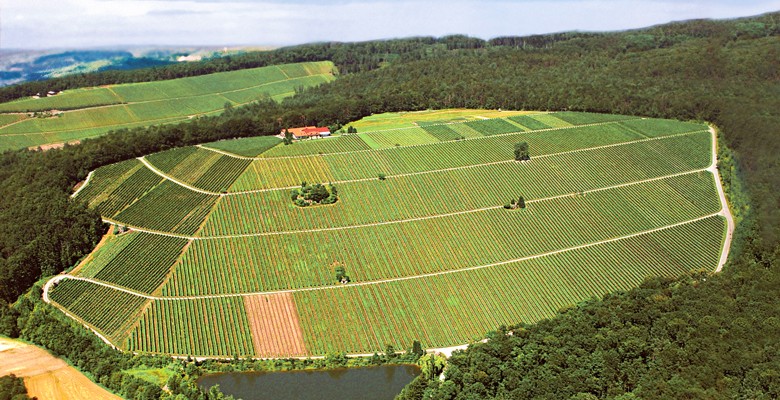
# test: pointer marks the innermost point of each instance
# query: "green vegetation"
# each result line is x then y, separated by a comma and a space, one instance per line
217, 265
143, 263
201, 168
217, 327
605, 186
701, 341
521, 151
95, 111
246, 147
110, 311
313, 194
157, 376
526, 291
12, 388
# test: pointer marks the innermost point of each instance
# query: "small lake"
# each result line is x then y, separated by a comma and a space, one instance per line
375, 383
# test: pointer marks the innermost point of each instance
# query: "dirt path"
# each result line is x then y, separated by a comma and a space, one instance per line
46, 376
58, 278
425, 144
725, 211
244, 192
223, 152
174, 180
83, 185
398, 221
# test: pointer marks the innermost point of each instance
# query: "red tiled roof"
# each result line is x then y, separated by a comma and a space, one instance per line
308, 131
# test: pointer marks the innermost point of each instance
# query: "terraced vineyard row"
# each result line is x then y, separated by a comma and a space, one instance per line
169, 207
398, 137
361, 319
108, 310
444, 192
201, 168
114, 190
492, 127
110, 248
339, 144
270, 173
249, 264
432, 254
245, 147
217, 327
142, 264
212, 171
428, 133
95, 111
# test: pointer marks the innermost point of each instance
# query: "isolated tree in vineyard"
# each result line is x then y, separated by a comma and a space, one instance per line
521, 151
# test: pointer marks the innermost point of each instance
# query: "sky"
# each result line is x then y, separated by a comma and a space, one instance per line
45, 24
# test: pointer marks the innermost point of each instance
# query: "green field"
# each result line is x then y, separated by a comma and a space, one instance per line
217, 242
95, 111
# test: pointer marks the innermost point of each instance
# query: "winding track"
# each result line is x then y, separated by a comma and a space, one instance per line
399, 221
725, 212
59, 278
433, 171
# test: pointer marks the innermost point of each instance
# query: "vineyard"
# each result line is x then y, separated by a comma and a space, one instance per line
84, 113
219, 262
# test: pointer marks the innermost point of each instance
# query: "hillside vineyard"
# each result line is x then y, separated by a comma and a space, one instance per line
83, 113
218, 261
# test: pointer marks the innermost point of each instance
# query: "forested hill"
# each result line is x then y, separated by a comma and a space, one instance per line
370, 55
703, 336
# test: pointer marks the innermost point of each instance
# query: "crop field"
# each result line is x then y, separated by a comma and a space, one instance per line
220, 262
246, 147
94, 111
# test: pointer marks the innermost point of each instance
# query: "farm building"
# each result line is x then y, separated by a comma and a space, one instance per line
309, 132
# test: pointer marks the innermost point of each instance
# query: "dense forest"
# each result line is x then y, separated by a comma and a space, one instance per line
699, 336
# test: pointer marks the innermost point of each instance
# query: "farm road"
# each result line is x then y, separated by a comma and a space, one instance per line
185, 185
59, 278
400, 221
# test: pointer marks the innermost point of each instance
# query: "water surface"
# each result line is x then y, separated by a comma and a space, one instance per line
375, 383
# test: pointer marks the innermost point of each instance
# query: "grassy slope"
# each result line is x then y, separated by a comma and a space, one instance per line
94, 111
449, 243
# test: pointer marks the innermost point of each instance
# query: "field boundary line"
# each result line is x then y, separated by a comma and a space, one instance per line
406, 220
86, 182
440, 142
48, 286
433, 171
145, 230
223, 152
174, 180
58, 278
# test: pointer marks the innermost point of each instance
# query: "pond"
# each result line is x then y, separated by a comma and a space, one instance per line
376, 383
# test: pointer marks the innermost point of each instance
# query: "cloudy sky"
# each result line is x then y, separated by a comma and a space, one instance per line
39, 24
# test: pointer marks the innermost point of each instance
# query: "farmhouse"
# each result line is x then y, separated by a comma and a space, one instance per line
309, 132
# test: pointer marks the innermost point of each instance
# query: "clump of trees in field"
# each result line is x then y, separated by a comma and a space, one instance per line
312, 194
521, 151
515, 203
341, 273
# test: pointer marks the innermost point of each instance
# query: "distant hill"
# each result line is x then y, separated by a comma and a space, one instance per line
18, 66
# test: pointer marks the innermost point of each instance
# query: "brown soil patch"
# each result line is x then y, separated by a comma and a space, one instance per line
46, 376
45, 147
276, 328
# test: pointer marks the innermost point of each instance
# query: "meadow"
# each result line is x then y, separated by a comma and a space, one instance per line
214, 235
84, 113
